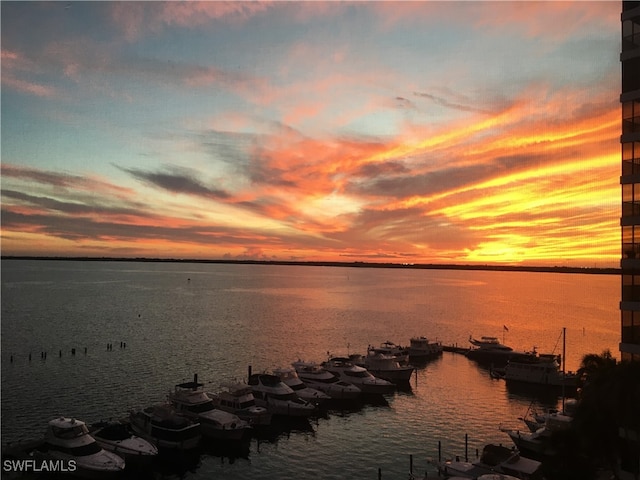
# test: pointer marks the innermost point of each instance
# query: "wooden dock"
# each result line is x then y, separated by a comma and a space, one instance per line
455, 349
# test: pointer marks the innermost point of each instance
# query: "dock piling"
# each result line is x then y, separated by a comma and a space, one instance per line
466, 447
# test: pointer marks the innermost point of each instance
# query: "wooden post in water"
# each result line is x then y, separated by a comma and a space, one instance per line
466, 447
379, 473
439, 451
410, 464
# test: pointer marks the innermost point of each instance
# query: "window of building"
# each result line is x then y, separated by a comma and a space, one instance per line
631, 327
630, 158
630, 199
631, 109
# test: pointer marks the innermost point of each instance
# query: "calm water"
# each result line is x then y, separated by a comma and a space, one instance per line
216, 320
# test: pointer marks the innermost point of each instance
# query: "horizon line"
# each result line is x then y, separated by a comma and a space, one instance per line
361, 264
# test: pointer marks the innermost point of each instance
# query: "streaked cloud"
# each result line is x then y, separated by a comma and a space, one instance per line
316, 131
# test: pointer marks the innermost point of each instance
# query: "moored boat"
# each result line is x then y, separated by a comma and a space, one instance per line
383, 366
318, 377
347, 371
539, 444
390, 348
191, 400
237, 398
270, 392
116, 437
499, 460
162, 426
421, 348
290, 377
68, 441
542, 369
490, 351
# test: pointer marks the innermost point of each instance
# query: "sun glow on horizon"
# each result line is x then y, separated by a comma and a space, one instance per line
336, 140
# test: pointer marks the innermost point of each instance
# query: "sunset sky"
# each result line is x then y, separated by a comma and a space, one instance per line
404, 132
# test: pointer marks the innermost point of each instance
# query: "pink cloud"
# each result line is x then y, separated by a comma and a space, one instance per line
25, 86
62, 180
554, 20
138, 18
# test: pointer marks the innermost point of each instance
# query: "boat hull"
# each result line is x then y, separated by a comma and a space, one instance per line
289, 409
129, 451
401, 375
97, 466
336, 392
166, 430
164, 443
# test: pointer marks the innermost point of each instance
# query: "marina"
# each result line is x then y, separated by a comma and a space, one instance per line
447, 397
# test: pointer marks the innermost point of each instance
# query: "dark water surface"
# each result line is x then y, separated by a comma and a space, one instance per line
178, 319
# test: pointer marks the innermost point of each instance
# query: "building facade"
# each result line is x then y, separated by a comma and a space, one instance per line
630, 181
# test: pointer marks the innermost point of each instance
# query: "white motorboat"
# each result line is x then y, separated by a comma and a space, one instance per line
68, 441
390, 348
383, 366
162, 426
270, 392
506, 463
421, 348
320, 378
538, 444
569, 408
542, 369
237, 398
291, 378
116, 437
191, 400
489, 351
358, 376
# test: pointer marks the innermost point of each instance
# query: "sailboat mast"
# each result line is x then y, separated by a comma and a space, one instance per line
564, 347
564, 356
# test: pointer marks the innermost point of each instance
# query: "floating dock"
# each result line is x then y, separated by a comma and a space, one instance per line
455, 349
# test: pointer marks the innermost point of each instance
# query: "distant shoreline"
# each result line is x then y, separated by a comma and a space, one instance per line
424, 266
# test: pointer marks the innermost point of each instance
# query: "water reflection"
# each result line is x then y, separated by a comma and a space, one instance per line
231, 316
546, 396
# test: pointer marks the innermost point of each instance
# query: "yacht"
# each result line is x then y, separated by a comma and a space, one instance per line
320, 378
539, 444
190, 399
421, 348
384, 366
358, 376
237, 398
116, 437
68, 440
270, 392
543, 369
290, 377
162, 426
489, 351
390, 348
499, 460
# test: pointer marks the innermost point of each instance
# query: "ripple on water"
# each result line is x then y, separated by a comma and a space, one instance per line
231, 316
